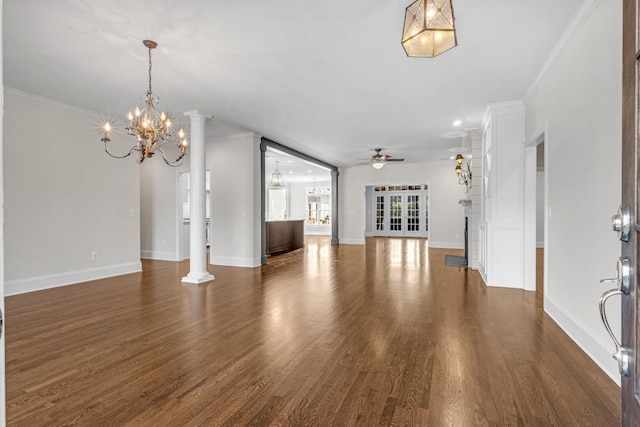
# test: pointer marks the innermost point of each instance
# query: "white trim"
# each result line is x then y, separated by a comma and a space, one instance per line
50, 101
159, 256
445, 245
540, 244
565, 39
352, 241
236, 261
20, 286
599, 351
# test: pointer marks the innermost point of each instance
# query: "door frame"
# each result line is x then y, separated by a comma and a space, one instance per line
530, 170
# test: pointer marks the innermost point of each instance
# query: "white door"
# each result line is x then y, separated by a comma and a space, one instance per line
401, 214
415, 222
396, 225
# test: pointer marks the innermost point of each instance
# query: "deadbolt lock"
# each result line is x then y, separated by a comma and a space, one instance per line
621, 223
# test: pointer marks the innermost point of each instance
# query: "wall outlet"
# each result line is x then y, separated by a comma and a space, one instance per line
94, 256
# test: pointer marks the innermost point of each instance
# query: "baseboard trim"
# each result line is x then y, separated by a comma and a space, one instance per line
31, 284
159, 256
539, 244
236, 261
446, 245
599, 351
352, 241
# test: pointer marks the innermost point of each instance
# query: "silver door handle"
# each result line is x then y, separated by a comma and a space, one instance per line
621, 354
623, 275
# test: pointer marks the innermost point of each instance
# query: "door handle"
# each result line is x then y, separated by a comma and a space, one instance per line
622, 278
621, 354
623, 275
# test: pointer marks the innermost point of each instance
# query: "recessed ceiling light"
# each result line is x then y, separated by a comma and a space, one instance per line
289, 161
457, 122
290, 171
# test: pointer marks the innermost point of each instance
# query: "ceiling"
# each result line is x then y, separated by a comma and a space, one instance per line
328, 78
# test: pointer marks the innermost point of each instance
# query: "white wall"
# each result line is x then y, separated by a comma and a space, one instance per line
446, 216
580, 100
64, 198
159, 210
235, 195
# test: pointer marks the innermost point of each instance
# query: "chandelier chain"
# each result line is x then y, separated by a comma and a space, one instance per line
149, 72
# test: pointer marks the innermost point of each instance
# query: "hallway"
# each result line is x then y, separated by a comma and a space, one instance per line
381, 334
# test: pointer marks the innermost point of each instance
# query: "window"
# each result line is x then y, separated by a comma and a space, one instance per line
318, 206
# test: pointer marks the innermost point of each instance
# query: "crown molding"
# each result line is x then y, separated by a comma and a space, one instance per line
565, 39
49, 101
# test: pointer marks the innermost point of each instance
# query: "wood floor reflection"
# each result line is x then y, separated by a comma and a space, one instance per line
381, 334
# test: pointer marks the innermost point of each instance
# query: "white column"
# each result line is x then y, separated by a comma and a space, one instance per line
198, 248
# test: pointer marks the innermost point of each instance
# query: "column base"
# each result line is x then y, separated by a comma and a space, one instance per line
200, 278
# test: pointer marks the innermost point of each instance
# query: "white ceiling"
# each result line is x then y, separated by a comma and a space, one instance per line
328, 78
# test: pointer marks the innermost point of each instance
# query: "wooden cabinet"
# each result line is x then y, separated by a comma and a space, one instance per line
284, 236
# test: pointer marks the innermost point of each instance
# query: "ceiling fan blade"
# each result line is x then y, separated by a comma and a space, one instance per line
394, 160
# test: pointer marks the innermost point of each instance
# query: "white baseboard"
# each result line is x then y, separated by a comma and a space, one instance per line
235, 261
21, 286
539, 244
352, 241
446, 245
599, 351
317, 233
159, 256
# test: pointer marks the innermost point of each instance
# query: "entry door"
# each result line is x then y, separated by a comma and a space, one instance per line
630, 199
625, 223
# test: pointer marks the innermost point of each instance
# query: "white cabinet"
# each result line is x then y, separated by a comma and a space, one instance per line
501, 261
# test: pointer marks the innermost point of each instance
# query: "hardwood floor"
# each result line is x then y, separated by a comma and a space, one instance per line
382, 334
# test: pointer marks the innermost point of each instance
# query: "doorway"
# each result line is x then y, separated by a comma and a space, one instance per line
535, 212
398, 210
540, 214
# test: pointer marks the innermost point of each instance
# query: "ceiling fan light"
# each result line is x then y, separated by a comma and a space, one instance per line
378, 165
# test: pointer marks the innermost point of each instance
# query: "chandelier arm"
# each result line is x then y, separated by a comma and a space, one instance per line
106, 150
177, 162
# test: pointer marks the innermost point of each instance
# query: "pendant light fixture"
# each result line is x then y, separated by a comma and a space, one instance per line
276, 179
314, 197
150, 128
429, 28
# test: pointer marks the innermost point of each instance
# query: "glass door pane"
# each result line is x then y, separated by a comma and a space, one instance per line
379, 213
396, 213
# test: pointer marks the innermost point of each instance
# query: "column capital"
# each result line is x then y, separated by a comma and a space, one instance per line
193, 114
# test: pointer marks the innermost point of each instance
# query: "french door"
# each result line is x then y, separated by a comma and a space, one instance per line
401, 214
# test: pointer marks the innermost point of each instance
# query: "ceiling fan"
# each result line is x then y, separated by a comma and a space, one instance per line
379, 160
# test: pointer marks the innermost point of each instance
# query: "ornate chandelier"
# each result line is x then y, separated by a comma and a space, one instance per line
429, 28
151, 129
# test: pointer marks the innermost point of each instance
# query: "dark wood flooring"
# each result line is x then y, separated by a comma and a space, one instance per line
382, 334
